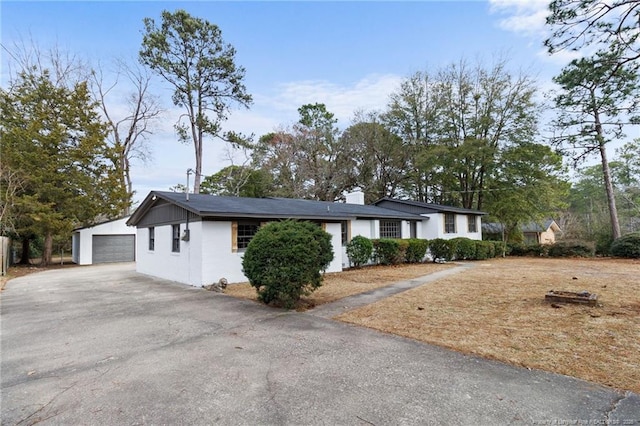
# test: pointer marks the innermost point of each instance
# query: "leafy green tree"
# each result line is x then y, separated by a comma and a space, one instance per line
190, 54
528, 185
454, 124
381, 160
285, 260
238, 181
52, 137
594, 105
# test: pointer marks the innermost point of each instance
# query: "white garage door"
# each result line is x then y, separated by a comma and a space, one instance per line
114, 248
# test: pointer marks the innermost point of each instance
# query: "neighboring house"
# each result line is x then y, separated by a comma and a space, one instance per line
111, 241
533, 233
443, 221
201, 239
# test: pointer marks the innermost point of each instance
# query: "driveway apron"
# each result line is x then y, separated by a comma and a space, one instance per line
106, 345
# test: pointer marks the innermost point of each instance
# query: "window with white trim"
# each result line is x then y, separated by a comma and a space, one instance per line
449, 223
152, 238
175, 239
390, 229
472, 223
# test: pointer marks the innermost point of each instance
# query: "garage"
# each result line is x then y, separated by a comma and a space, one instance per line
106, 242
113, 248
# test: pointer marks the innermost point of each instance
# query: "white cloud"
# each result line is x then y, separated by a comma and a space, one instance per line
523, 16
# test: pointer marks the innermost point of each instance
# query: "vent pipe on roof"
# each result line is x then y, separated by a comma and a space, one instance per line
189, 171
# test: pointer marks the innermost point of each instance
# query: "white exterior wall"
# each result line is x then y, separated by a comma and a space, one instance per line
335, 229
208, 255
85, 238
218, 260
183, 267
434, 227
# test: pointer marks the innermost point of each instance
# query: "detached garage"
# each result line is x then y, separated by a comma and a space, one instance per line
106, 242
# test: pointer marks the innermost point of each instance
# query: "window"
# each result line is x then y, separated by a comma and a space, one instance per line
390, 229
413, 230
246, 231
449, 223
344, 229
472, 223
175, 241
152, 238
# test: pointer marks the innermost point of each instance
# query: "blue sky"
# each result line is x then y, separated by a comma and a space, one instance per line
348, 55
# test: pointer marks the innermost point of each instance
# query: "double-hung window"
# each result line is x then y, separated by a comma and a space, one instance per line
152, 238
175, 240
449, 223
472, 223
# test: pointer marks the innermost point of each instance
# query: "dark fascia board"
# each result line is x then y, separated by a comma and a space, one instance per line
149, 201
437, 207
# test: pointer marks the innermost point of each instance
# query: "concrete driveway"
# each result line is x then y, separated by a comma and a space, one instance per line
105, 345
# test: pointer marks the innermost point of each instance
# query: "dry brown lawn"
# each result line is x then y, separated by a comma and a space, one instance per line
497, 310
338, 285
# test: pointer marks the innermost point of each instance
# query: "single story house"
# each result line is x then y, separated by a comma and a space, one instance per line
197, 239
110, 241
532, 232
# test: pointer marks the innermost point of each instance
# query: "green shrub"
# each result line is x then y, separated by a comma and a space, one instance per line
627, 246
484, 250
465, 248
387, 251
442, 249
284, 261
533, 250
572, 249
359, 250
501, 249
416, 250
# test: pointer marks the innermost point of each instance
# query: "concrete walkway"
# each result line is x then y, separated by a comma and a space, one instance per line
333, 309
103, 345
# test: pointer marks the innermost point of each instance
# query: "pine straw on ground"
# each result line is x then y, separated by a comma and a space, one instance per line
497, 310
338, 285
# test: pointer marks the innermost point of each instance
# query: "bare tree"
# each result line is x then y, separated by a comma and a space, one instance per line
128, 131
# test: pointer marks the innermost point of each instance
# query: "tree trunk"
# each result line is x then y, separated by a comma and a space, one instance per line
613, 211
47, 252
26, 252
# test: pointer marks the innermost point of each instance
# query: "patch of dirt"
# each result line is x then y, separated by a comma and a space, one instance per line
338, 285
16, 271
497, 310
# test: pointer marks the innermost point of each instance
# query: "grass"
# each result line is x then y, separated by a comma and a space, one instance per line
338, 285
497, 311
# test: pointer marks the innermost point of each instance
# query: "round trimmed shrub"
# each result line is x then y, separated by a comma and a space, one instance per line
465, 248
627, 246
416, 250
359, 250
442, 249
484, 250
285, 261
388, 251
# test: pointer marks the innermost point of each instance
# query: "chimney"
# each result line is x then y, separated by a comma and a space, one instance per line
355, 197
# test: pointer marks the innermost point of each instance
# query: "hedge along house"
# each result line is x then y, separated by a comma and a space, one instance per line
201, 239
443, 221
110, 241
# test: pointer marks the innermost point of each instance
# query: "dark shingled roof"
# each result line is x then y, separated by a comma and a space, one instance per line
496, 228
270, 207
430, 207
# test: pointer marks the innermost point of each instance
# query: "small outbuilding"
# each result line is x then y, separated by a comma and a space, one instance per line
111, 241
